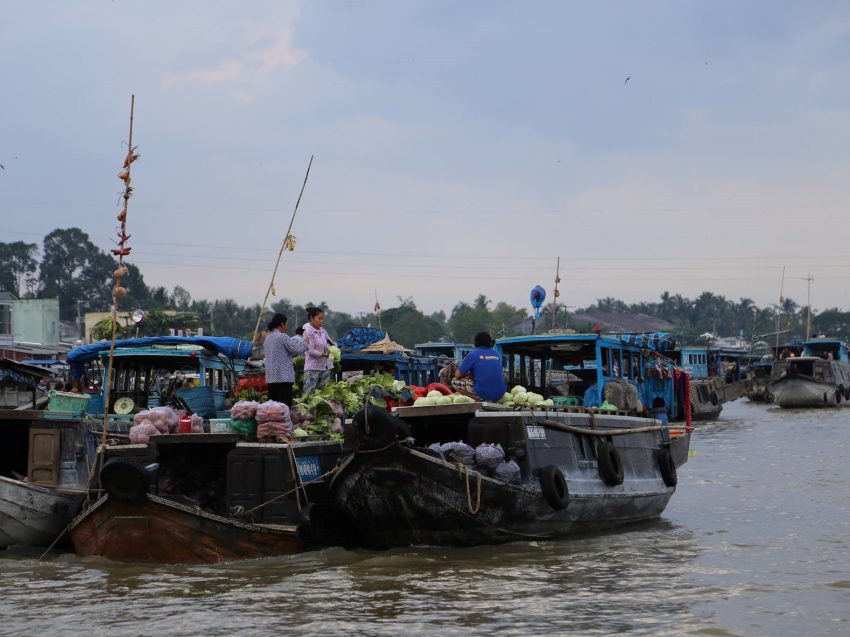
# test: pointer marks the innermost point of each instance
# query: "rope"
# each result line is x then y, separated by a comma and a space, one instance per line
297, 478
462, 469
235, 512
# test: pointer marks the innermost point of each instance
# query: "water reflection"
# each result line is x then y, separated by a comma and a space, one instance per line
754, 542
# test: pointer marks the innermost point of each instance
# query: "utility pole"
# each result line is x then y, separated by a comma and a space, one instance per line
809, 279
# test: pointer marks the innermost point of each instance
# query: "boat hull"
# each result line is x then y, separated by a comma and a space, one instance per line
803, 392
157, 530
34, 515
401, 496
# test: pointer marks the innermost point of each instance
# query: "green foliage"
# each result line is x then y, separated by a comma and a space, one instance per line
18, 274
74, 270
102, 330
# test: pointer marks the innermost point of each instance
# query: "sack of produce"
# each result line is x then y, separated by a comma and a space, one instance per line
243, 426
244, 410
142, 416
163, 418
458, 452
488, 457
141, 433
273, 411
272, 429
508, 472
197, 424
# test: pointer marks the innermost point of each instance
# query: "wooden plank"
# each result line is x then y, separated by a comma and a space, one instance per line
21, 414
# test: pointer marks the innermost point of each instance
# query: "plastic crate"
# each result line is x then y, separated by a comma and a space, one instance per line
567, 401
199, 400
95, 405
220, 425
67, 402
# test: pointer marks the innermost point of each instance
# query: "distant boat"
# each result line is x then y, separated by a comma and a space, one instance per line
820, 377
33, 515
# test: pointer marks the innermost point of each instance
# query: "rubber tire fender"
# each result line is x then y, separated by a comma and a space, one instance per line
838, 394
667, 467
376, 429
554, 487
714, 399
768, 397
610, 464
125, 479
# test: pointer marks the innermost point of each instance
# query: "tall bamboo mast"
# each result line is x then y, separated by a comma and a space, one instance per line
118, 292
288, 244
779, 308
808, 279
557, 292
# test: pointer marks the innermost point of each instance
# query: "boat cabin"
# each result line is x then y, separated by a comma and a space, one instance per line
577, 370
827, 349
444, 350
149, 372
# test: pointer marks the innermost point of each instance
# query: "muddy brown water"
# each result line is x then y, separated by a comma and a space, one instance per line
756, 541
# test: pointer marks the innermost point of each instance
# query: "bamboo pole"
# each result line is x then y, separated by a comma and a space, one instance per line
288, 242
123, 250
557, 292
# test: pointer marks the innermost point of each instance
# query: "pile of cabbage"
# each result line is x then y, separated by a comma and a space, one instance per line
436, 398
323, 412
519, 396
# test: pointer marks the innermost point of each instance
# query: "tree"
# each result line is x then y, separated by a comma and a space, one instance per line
18, 274
74, 269
182, 298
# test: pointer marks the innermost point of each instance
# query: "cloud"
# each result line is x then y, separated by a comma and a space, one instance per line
268, 51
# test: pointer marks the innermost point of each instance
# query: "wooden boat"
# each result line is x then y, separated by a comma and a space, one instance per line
163, 531
34, 515
580, 470
820, 377
198, 498
758, 382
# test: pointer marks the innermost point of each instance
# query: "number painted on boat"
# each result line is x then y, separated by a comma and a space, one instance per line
309, 467
535, 432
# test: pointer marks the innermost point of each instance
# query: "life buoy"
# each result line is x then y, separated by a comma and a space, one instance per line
376, 428
124, 479
554, 487
445, 391
667, 467
610, 464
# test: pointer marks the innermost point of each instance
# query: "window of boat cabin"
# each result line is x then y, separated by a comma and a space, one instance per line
605, 358
626, 368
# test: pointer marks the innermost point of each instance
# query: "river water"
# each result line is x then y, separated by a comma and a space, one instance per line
756, 541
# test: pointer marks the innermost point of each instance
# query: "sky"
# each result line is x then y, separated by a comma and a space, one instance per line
460, 148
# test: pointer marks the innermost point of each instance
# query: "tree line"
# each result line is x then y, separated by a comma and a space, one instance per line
71, 268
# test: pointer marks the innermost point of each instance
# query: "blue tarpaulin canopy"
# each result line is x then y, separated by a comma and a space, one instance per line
357, 338
657, 341
32, 361
230, 347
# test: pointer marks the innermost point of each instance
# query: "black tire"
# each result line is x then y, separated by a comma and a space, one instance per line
713, 398
667, 467
610, 464
838, 393
375, 428
767, 396
554, 487
125, 480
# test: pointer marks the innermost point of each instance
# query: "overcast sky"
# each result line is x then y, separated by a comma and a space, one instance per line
460, 147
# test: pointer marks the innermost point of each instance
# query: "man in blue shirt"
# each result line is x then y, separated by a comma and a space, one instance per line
480, 373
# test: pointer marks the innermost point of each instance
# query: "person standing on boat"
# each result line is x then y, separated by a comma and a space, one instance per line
317, 361
480, 373
280, 348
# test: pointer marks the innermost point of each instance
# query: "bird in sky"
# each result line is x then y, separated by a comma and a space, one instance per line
628, 77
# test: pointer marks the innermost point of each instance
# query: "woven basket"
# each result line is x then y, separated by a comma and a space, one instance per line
199, 400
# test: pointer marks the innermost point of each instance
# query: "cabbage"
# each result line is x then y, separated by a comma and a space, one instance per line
443, 400
433, 394
518, 389
548, 403
423, 401
299, 433
460, 399
520, 398
398, 385
333, 350
533, 399
508, 397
